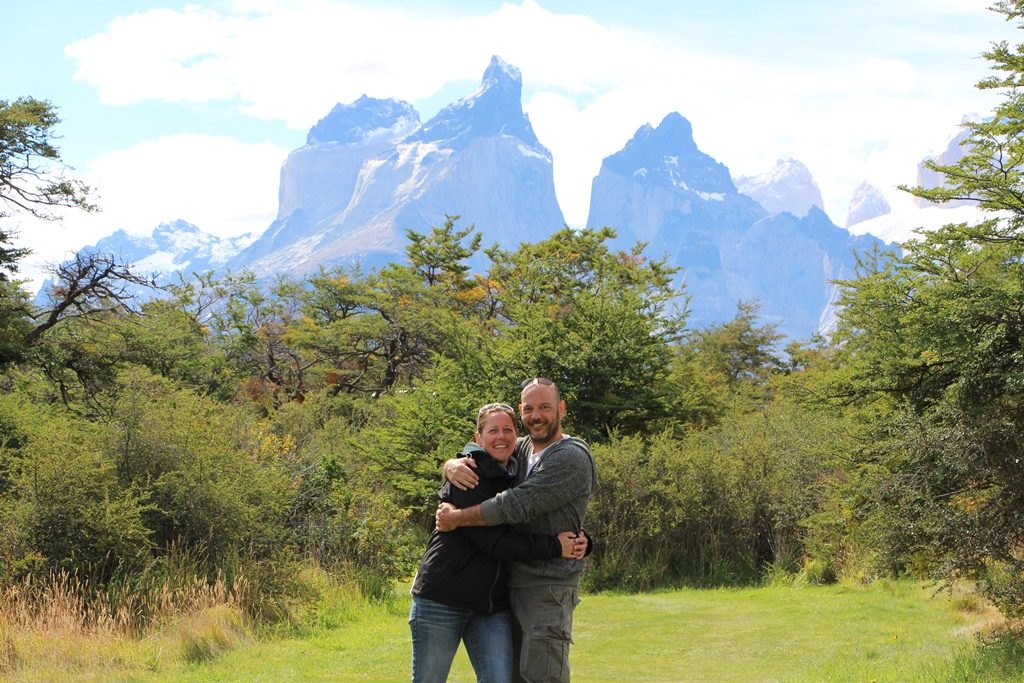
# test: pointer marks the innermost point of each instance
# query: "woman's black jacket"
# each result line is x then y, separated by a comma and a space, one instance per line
467, 567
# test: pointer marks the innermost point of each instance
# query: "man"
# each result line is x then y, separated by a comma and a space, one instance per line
556, 476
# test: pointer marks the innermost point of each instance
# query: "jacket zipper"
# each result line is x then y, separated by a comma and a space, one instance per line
490, 594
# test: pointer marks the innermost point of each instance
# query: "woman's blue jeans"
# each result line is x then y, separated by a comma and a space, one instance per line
437, 630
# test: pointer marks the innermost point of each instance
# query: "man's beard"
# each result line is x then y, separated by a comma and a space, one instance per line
545, 436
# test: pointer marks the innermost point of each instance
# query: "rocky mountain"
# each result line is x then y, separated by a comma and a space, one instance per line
319, 178
177, 246
370, 170
173, 249
866, 203
787, 186
951, 154
661, 189
788, 264
368, 173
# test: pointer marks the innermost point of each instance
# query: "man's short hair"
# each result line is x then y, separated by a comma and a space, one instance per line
544, 382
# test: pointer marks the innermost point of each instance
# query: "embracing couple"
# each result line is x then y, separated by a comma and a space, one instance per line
508, 536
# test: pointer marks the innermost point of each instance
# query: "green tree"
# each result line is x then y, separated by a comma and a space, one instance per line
33, 178
724, 366
373, 333
599, 323
35, 181
934, 336
440, 256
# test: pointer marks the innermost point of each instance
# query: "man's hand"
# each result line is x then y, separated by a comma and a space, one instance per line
444, 518
573, 546
459, 471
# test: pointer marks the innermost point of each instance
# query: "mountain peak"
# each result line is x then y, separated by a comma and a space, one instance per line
363, 120
787, 186
177, 226
677, 129
495, 108
866, 203
668, 155
499, 71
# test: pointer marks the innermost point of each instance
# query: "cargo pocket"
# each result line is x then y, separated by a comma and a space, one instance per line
546, 656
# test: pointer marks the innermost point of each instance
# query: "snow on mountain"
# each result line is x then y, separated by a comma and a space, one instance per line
787, 186
495, 108
370, 171
178, 246
660, 185
866, 203
319, 177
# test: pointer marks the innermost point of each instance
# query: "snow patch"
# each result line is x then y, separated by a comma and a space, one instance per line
529, 152
161, 262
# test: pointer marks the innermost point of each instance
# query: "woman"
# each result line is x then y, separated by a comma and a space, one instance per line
460, 590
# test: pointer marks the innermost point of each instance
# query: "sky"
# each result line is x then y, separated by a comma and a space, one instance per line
176, 110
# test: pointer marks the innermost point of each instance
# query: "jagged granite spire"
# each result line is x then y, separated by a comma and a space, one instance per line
668, 155
350, 195
866, 203
494, 108
318, 178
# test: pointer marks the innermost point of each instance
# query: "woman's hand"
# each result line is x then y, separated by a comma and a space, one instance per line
459, 471
573, 546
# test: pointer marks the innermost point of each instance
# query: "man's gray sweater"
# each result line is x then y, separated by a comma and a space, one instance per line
551, 499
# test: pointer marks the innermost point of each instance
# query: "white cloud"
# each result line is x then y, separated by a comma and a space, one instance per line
292, 60
894, 75
228, 187
160, 54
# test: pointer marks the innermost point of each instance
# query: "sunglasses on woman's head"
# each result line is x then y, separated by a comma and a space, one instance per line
495, 406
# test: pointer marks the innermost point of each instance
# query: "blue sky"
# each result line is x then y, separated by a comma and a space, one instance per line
176, 110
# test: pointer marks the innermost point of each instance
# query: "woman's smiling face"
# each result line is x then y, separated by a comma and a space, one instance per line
498, 435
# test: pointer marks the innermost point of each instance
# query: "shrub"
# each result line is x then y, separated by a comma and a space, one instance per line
714, 507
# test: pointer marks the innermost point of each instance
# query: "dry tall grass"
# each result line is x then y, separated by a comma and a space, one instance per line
60, 628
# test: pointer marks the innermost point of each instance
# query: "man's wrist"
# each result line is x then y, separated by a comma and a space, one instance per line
470, 516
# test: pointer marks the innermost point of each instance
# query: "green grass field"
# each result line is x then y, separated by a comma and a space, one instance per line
888, 631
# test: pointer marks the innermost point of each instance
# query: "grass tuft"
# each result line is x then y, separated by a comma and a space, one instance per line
207, 634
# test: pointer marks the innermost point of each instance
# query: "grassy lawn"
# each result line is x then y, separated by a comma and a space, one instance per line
884, 632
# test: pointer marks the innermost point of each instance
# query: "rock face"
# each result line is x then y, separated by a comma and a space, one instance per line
788, 186
953, 152
866, 203
368, 173
661, 189
319, 178
788, 264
